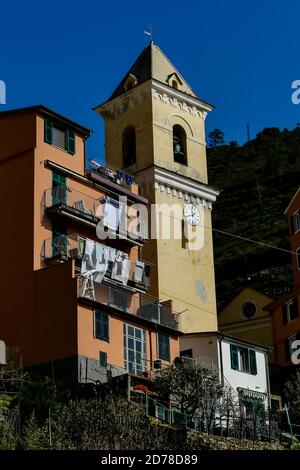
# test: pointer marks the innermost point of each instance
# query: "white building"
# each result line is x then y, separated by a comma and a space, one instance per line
240, 364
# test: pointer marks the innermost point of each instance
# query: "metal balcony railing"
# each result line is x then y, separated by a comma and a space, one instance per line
69, 201
65, 247
140, 305
78, 203
111, 173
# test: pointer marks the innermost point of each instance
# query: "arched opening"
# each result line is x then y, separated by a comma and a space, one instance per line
128, 146
175, 84
179, 145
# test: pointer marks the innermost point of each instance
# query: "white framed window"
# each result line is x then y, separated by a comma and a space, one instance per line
290, 311
134, 349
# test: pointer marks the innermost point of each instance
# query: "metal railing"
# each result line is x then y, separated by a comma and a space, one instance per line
137, 304
76, 201
86, 207
111, 173
64, 247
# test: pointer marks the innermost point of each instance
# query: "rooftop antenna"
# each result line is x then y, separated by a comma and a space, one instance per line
148, 32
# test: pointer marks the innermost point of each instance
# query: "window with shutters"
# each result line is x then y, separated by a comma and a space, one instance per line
290, 311
243, 359
296, 222
101, 325
103, 359
163, 348
289, 346
59, 136
298, 257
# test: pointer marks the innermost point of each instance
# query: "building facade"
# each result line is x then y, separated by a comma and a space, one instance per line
285, 310
244, 317
74, 304
241, 365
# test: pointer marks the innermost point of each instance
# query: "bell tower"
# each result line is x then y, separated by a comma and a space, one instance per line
155, 130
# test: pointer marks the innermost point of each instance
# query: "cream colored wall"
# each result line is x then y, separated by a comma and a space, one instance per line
187, 277
232, 312
165, 116
131, 109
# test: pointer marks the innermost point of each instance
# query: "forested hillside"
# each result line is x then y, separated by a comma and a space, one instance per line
257, 179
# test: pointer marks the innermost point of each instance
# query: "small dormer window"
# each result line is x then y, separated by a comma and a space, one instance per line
130, 82
174, 81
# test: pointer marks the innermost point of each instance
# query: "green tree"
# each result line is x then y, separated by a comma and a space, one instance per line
216, 138
292, 396
192, 389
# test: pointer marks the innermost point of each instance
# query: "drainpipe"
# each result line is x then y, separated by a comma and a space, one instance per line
221, 358
150, 348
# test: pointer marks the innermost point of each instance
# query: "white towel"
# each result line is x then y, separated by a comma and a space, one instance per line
87, 260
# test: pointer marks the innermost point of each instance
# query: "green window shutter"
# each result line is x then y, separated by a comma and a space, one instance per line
295, 309
292, 224
163, 346
71, 146
253, 365
284, 314
48, 131
234, 356
103, 359
101, 327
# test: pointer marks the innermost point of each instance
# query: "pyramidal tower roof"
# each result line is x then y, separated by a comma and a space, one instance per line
152, 63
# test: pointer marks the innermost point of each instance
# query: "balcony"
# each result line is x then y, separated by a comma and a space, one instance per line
110, 173
65, 201
65, 247
70, 202
139, 305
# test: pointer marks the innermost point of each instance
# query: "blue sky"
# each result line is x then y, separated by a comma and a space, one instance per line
239, 55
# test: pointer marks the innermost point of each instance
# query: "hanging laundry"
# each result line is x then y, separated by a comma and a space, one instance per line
139, 271
101, 262
112, 213
88, 261
121, 268
81, 246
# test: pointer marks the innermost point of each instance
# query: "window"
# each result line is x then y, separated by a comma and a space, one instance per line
174, 84
295, 222
59, 137
103, 358
129, 146
101, 325
179, 145
163, 341
186, 353
248, 309
298, 257
288, 345
134, 349
59, 188
243, 359
290, 311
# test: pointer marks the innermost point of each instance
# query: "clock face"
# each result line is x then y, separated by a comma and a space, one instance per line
192, 214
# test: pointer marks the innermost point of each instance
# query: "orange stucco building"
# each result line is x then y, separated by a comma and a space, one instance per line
285, 310
52, 309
